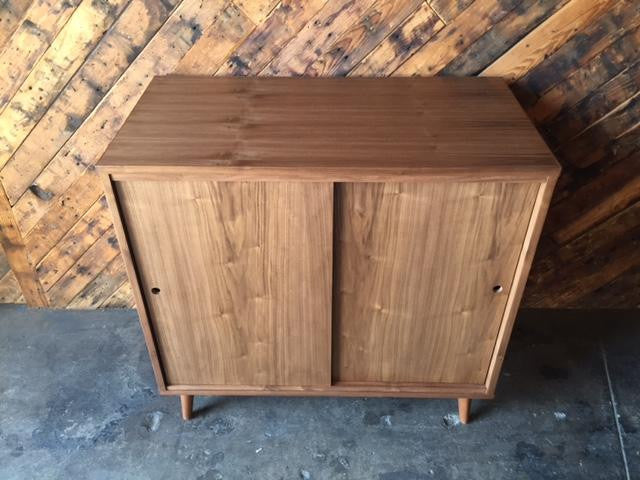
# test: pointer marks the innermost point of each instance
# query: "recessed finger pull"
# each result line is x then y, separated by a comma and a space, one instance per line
497, 288
155, 290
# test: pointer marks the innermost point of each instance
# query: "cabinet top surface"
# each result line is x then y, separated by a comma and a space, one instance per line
329, 129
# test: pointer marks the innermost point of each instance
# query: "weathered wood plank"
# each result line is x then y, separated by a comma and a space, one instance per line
621, 292
229, 28
41, 24
10, 289
160, 56
11, 15
67, 52
584, 150
456, 37
111, 57
121, 298
90, 264
611, 192
620, 55
614, 150
334, 19
547, 38
582, 47
268, 38
349, 48
606, 264
106, 283
599, 103
502, 36
14, 249
447, 10
256, 10
62, 215
401, 44
93, 224
574, 178
608, 247
4, 263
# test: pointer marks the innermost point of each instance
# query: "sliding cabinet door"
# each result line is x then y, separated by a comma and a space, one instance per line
423, 271
236, 277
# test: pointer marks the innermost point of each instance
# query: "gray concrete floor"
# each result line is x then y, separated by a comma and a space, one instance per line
78, 401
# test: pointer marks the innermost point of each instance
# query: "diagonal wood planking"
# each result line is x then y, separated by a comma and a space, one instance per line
70, 73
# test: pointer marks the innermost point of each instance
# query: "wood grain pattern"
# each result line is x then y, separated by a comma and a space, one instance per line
245, 296
84, 147
532, 50
532, 236
10, 291
453, 39
115, 52
348, 49
77, 38
603, 252
85, 269
121, 298
269, 38
334, 19
93, 224
401, 44
134, 279
11, 15
418, 265
229, 28
528, 15
62, 216
584, 80
101, 287
21, 51
257, 10
278, 128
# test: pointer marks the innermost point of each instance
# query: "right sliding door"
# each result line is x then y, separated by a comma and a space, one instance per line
422, 273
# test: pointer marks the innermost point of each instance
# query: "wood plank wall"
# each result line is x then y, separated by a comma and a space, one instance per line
72, 71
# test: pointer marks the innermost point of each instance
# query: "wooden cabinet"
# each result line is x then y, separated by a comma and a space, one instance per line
360, 237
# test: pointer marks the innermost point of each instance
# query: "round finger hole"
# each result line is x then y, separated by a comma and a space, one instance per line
155, 290
497, 288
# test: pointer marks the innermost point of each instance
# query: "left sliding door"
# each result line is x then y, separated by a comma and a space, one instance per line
236, 277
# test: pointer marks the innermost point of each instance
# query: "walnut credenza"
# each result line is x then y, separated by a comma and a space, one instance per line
352, 237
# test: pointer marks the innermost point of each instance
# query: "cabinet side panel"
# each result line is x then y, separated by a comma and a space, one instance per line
422, 277
242, 278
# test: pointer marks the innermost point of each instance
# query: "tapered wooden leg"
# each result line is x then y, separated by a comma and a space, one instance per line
464, 405
186, 402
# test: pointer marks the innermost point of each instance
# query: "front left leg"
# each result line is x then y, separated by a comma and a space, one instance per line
464, 406
186, 402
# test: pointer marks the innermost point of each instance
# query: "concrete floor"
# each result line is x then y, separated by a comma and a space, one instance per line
78, 401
